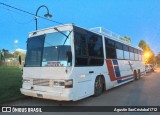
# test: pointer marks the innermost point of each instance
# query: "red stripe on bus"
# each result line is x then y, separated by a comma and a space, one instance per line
123, 77
112, 74
110, 70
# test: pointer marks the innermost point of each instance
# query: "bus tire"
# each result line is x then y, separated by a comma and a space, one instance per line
98, 86
139, 73
135, 75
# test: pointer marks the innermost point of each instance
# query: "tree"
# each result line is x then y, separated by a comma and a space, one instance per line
150, 58
4, 54
158, 58
142, 44
17, 54
126, 39
1, 56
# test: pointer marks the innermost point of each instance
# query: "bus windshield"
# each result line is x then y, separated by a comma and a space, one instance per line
48, 50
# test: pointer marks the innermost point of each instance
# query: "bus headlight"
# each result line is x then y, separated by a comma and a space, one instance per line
69, 83
58, 83
26, 81
65, 83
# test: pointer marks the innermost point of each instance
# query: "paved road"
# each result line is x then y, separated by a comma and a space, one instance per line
137, 93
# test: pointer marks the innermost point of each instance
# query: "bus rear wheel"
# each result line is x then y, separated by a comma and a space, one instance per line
98, 86
135, 75
139, 74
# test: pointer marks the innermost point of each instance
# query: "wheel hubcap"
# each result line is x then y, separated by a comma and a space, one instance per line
98, 83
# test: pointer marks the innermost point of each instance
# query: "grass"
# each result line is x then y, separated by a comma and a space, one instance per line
10, 83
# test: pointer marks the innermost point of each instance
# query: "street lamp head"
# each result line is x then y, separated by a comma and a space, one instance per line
16, 41
48, 15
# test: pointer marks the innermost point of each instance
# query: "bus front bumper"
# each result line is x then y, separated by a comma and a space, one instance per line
46, 95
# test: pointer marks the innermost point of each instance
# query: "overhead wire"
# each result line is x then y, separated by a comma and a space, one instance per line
29, 13
15, 8
27, 22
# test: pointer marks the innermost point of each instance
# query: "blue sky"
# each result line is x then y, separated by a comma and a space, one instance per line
138, 19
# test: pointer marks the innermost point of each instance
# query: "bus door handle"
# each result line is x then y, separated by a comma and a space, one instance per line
91, 71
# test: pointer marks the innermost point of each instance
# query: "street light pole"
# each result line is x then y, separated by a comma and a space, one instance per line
48, 15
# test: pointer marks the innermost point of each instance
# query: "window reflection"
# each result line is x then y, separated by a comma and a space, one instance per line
48, 50
55, 53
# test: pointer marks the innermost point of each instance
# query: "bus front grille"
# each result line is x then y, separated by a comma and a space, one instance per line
41, 82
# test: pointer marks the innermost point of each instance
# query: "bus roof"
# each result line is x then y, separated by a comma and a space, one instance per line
97, 30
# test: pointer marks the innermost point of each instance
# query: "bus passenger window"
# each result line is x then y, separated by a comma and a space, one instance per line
110, 49
81, 52
80, 45
95, 46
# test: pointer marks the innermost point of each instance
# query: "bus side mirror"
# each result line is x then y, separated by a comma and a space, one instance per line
20, 60
69, 56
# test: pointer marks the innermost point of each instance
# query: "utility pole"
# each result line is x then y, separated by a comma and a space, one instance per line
15, 44
0, 55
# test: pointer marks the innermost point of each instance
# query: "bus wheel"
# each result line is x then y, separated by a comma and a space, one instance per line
98, 86
135, 75
139, 74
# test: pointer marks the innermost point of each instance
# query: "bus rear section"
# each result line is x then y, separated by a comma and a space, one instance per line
124, 62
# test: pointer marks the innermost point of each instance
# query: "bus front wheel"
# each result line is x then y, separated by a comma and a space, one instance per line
98, 86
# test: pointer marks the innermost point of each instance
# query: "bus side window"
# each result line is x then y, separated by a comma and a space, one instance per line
135, 54
110, 49
131, 50
119, 50
80, 45
95, 50
81, 52
139, 53
95, 47
126, 51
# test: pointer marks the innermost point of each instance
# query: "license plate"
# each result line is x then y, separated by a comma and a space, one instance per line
39, 95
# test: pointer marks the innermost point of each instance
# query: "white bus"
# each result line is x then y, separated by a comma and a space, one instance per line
68, 62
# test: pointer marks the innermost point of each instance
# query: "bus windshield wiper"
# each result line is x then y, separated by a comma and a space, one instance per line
60, 32
67, 37
63, 34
